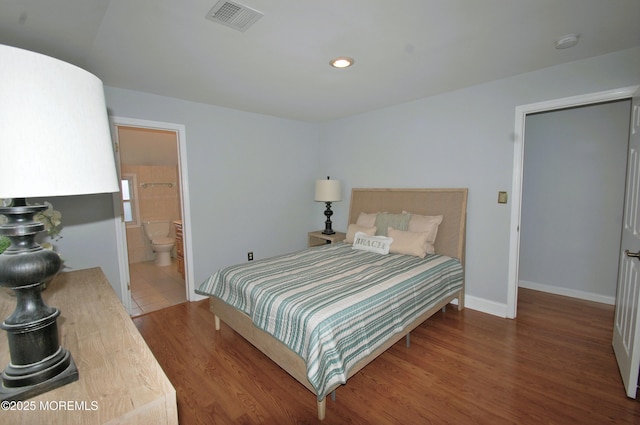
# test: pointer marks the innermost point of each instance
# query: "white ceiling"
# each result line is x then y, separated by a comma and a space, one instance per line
403, 49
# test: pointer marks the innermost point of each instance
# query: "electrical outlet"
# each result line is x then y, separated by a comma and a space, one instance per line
250, 256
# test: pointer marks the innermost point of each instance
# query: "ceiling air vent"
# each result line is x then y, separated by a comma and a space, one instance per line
234, 15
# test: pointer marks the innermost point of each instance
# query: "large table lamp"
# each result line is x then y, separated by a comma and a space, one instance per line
327, 191
54, 141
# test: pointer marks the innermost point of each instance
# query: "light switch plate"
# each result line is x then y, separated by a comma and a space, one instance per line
502, 197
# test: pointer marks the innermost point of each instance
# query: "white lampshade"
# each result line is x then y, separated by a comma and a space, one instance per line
327, 190
54, 130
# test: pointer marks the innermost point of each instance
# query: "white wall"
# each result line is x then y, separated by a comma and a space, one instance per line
464, 138
572, 200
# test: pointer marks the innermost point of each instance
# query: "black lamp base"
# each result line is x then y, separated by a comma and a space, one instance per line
327, 224
65, 375
38, 362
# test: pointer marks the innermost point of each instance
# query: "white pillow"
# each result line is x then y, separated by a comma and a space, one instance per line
378, 244
354, 228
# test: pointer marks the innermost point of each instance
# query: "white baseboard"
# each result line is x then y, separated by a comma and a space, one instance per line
483, 306
573, 293
500, 309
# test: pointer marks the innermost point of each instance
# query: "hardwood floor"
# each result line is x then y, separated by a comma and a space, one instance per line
553, 365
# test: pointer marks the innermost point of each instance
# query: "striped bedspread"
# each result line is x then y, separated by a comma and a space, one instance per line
333, 305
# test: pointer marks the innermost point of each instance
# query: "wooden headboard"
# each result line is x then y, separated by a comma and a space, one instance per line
450, 203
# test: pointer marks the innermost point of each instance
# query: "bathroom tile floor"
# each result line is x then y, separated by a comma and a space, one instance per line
154, 288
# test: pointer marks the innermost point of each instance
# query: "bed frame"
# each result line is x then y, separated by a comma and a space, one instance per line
450, 241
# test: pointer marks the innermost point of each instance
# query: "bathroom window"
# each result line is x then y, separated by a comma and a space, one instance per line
129, 197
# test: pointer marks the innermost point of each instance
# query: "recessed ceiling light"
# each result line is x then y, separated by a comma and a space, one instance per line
341, 62
566, 41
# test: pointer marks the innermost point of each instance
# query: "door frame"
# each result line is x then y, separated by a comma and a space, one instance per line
185, 205
518, 168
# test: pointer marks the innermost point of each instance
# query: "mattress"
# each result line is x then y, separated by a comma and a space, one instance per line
333, 305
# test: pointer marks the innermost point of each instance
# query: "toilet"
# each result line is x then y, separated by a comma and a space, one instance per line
157, 232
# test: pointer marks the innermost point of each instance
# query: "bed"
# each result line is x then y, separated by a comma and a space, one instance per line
319, 313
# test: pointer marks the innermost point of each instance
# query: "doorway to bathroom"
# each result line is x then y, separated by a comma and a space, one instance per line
152, 211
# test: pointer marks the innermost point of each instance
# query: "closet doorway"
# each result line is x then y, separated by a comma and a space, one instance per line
152, 200
573, 194
518, 174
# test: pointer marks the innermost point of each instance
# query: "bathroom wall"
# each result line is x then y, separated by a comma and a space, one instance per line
159, 202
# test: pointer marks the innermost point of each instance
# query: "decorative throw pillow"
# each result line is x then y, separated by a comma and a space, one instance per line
366, 219
425, 223
410, 243
397, 221
353, 228
378, 244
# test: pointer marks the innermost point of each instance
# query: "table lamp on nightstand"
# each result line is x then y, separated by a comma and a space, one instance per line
327, 191
54, 141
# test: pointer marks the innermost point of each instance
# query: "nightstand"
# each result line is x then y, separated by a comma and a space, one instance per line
318, 238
